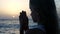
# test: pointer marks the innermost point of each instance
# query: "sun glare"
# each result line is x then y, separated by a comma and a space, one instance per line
13, 16
14, 7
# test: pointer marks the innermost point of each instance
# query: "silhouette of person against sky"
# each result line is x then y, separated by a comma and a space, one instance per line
23, 22
44, 12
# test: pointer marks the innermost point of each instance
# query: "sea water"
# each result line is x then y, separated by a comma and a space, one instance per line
12, 26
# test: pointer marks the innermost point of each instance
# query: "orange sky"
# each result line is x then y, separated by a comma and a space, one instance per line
13, 7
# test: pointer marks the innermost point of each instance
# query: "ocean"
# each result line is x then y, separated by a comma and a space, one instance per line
12, 26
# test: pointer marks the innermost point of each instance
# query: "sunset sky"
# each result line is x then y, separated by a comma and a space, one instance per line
11, 8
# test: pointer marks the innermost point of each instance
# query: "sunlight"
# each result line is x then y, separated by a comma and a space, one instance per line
13, 7
13, 16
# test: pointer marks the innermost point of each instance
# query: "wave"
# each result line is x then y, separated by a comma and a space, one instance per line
3, 25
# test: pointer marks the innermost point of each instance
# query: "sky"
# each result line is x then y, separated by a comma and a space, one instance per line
11, 8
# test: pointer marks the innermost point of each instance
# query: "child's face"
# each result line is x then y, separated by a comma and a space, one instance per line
34, 13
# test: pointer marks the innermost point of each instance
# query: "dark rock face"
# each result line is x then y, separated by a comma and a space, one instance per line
44, 11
